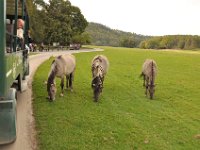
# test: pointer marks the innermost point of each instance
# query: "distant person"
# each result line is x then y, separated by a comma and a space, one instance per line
30, 41
29, 37
48, 47
34, 47
42, 46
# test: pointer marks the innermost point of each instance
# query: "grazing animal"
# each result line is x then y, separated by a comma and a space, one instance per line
62, 67
149, 71
100, 66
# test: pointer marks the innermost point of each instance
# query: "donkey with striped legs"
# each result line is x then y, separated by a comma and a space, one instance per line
62, 67
149, 71
99, 69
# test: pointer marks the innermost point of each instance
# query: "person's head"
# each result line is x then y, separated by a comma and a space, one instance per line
20, 24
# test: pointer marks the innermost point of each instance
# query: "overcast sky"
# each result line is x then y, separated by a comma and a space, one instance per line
147, 17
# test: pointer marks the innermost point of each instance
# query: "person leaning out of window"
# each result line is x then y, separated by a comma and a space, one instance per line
20, 32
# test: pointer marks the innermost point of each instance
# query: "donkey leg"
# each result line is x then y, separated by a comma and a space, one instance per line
67, 82
71, 78
146, 88
146, 85
62, 86
144, 81
102, 82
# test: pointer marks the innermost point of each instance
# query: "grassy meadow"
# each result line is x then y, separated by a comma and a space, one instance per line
123, 119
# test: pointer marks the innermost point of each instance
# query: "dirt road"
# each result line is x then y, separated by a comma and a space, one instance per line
25, 121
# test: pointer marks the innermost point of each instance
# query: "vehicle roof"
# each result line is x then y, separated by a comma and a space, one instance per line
10, 8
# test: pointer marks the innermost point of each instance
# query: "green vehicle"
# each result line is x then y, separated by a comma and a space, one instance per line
14, 65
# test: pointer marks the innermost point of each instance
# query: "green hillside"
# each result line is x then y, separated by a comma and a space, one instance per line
103, 35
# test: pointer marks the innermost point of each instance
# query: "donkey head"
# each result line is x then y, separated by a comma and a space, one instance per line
51, 89
97, 86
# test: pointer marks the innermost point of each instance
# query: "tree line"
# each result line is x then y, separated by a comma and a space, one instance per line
103, 35
172, 42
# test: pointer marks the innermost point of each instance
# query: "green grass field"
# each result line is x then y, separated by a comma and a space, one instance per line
123, 119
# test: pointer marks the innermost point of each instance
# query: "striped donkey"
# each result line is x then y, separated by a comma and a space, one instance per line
100, 65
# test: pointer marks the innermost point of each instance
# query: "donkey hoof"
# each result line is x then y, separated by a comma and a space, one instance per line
61, 94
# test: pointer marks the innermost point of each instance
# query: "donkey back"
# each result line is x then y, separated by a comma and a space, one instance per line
65, 64
100, 65
149, 68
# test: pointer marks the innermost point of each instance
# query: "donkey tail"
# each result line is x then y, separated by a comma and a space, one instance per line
152, 71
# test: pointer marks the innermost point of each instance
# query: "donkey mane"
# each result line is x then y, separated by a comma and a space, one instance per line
52, 75
98, 58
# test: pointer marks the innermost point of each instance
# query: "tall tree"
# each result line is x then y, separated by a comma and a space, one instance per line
63, 21
36, 23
